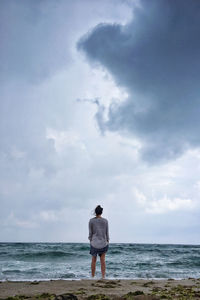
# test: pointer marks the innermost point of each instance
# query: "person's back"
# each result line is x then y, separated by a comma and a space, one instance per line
99, 240
98, 232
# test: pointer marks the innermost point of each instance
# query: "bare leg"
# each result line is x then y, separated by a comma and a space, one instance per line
93, 265
103, 264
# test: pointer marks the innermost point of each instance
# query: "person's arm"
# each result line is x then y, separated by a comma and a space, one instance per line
90, 231
107, 232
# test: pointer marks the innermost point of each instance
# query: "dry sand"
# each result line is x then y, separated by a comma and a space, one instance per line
102, 289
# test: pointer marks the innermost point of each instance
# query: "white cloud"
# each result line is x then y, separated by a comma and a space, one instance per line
48, 216
17, 153
64, 139
14, 221
164, 205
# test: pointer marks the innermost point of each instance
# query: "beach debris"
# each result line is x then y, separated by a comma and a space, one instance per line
44, 296
179, 292
157, 289
106, 283
148, 283
98, 297
67, 296
170, 279
81, 291
140, 297
35, 282
134, 282
131, 295
18, 297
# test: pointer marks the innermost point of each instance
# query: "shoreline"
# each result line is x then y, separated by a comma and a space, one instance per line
111, 289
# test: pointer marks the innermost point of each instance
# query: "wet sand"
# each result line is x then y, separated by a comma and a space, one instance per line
101, 289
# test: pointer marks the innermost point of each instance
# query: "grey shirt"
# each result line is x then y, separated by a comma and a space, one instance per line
98, 232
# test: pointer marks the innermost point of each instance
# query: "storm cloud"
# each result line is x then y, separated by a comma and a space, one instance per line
55, 166
155, 57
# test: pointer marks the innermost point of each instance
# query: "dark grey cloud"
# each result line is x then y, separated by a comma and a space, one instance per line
38, 37
156, 57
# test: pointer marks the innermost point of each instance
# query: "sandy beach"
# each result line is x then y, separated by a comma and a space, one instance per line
101, 289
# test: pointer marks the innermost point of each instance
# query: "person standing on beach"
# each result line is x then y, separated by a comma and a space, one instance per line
99, 240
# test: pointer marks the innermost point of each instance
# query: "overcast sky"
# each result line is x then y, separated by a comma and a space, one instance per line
100, 104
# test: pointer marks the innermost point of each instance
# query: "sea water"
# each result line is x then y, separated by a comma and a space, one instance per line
45, 261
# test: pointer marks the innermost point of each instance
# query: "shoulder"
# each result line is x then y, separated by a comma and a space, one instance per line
91, 220
104, 220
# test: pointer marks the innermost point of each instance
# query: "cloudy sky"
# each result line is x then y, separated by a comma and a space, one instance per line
99, 104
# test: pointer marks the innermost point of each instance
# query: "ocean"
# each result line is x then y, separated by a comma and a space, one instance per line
46, 261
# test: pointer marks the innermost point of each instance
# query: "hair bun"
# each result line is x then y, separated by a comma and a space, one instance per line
98, 210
